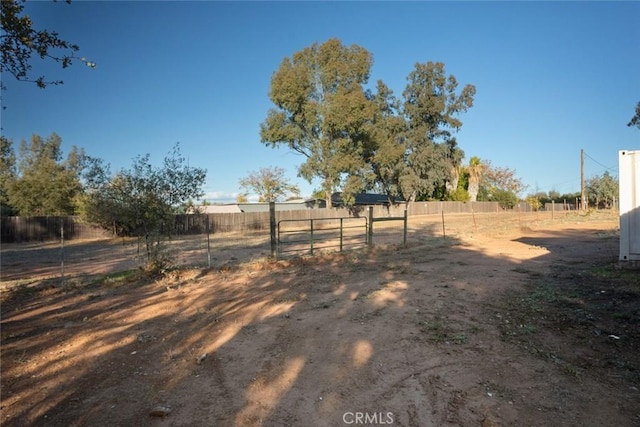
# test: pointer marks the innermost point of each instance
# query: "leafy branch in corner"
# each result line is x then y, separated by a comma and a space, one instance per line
19, 41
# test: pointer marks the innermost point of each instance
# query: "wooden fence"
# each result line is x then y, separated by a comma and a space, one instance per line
250, 221
18, 229
27, 229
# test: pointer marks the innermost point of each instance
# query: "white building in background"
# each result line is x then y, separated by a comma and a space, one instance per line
211, 209
289, 205
629, 179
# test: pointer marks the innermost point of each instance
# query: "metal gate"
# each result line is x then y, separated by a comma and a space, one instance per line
296, 236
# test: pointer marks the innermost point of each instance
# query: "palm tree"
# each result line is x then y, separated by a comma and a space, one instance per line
476, 169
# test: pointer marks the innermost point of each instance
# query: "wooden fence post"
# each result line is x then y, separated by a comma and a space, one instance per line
370, 225
475, 224
272, 228
62, 249
208, 243
404, 240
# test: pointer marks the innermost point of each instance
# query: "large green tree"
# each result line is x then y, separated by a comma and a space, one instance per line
7, 174
42, 183
269, 184
431, 108
410, 151
19, 41
602, 191
321, 108
359, 140
387, 149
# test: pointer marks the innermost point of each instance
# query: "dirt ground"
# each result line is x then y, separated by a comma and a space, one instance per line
507, 321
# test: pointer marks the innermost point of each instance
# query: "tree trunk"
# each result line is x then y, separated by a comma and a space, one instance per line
327, 192
452, 184
473, 189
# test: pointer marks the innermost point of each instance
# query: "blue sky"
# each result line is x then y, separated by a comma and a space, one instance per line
551, 78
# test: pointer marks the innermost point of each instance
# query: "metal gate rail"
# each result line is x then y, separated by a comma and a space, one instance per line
313, 234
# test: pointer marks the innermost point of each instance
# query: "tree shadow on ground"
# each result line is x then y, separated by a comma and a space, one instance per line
414, 335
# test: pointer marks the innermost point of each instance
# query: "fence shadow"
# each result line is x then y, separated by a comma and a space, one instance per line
402, 333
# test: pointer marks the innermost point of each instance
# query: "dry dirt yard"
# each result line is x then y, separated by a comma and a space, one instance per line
502, 323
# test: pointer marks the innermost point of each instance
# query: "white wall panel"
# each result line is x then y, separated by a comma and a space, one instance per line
629, 178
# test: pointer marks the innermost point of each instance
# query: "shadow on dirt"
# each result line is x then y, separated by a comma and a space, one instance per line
30, 261
440, 332
583, 313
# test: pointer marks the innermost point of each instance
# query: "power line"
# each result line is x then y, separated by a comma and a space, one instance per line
606, 167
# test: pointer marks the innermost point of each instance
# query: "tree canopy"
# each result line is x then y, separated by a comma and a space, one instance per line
358, 139
486, 182
7, 174
20, 41
38, 181
142, 200
269, 184
602, 191
321, 108
500, 184
431, 108
383, 157
411, 152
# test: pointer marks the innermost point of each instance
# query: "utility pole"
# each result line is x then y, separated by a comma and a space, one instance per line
583, 199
